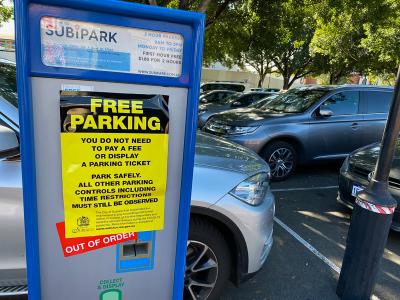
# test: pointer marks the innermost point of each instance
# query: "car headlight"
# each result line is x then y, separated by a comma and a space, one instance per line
252, 190
240, 130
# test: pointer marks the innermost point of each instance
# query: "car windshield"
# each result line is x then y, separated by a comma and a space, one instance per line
8, 83
214, 96
208, 95
260, 103
230, 99
296, 100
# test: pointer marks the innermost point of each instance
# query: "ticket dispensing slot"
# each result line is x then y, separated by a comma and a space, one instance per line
136, 255
136, 250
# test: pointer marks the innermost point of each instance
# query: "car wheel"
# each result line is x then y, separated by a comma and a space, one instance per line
208, 261
282, 159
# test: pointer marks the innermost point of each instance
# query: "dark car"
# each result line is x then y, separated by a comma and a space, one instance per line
307, 124
356, 172
236, 100
215, 96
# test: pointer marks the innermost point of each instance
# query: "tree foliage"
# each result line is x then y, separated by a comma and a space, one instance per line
382, 39
295, 38
273, 35
213, 8
356, 36
6, 12
292, 30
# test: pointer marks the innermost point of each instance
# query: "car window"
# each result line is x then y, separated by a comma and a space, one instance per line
257, 97
377, 102
262, 102
222, 86
343, 103
247, 99
296, 100
231, 98
211, 97
8, 84
221, 96
233, 87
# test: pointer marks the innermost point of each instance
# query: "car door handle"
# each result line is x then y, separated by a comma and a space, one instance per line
355, 125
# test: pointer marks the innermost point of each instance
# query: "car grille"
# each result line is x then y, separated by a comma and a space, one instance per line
364, 173
13, 290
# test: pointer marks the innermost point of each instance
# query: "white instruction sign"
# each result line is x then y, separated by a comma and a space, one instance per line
93, 46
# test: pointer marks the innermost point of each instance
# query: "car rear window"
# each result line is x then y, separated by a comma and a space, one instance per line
223, 86
8, 83
377, 102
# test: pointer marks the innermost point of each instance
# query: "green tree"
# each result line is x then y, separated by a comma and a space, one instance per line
290, 26
239, 39
349, 37
213, 8
268, 35
6, 12
382, 40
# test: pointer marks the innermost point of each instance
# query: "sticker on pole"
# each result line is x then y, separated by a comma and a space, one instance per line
101, 47
75, 246
114, 150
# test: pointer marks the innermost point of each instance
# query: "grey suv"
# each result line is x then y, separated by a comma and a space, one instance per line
308, 124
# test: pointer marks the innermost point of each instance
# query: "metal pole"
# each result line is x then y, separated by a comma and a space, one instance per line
371, 218
389, 139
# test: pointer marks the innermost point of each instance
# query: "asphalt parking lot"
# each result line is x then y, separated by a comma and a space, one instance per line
310, 237
306, 205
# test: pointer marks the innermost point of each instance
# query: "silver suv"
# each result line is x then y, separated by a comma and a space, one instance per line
307, 124
232, 211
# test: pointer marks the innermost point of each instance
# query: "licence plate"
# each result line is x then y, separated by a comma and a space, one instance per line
356, 189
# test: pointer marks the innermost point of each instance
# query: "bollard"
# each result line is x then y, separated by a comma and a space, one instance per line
366, 240
371, 218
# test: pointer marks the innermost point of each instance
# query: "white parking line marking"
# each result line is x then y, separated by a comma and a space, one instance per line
308, 246
306, 189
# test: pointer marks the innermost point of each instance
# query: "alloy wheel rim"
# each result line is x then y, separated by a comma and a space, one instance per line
201, 271
281, 162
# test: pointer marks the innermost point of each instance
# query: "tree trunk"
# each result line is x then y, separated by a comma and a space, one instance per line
286, 80
261, 79
334, 77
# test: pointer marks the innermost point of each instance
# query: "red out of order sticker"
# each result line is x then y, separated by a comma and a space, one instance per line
75, 246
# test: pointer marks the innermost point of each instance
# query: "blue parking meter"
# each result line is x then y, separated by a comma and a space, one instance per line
108, 96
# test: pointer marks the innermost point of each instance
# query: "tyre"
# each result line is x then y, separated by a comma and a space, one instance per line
208, 261
282, 159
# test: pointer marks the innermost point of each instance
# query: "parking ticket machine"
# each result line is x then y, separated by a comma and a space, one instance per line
108, 103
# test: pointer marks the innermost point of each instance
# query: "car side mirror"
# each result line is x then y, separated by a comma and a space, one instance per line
204, 101
9, 144
324, 112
